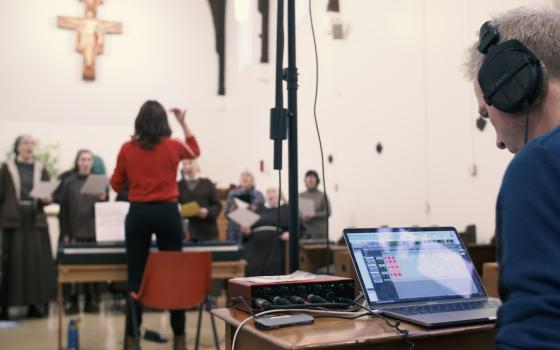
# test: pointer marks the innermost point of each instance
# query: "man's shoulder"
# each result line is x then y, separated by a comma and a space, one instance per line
543, 147
539, 157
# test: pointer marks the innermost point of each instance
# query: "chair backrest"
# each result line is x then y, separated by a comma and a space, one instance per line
175, 280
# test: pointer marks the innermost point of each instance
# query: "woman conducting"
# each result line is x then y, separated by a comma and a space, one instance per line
147, 165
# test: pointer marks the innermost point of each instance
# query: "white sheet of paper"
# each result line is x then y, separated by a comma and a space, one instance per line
109, 220
95, 184
293, 277
244, 217
240, 204
307, 206
44, 189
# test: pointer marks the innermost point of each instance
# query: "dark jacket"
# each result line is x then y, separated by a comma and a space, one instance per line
528, 242
206, 196
10, 193
77, 210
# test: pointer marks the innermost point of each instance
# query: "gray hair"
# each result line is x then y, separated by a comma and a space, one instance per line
536, 28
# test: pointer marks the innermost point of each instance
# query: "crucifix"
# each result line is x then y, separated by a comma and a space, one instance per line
90, 35
92, 5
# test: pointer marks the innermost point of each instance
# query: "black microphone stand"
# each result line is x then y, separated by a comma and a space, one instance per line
284, 121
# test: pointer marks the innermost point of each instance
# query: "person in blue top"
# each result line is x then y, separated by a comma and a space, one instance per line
515, 67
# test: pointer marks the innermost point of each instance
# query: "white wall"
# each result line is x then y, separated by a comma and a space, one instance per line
395, 79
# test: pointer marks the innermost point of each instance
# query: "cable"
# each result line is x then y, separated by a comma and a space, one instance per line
319, 134
526, 108
320, 312
348, 315
235, 300
318, 306
395, 325
277, 260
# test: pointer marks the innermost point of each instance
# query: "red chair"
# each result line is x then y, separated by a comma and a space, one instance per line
177, 281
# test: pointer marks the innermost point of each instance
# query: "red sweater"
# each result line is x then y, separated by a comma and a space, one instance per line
150, 175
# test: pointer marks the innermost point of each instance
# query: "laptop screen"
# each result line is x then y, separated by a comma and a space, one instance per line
397, 265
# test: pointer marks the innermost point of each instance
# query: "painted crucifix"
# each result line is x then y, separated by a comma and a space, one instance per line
90, 36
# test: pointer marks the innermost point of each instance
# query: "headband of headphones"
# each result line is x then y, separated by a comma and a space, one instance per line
511, 77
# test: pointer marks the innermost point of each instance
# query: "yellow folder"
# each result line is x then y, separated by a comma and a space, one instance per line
189, 209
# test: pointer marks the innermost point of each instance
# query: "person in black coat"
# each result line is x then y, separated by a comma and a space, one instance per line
203, 226
264, 248
77, 223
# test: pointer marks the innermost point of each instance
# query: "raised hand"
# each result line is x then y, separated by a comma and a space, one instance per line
179, 114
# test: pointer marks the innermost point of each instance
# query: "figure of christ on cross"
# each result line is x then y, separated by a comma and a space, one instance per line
90, 34
91, 5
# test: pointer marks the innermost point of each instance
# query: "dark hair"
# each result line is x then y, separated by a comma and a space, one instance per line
16, 144
80, 152
313, 173
151, 125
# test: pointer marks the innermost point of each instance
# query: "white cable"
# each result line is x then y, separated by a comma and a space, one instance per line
237, 331
321, 312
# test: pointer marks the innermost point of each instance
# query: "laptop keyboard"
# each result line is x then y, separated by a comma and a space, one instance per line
444, 307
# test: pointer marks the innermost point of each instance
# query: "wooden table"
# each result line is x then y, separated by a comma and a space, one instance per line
360, 334
118, 273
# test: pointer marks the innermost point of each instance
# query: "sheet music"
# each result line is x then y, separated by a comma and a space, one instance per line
244, 217
307, 206
109, 220
44, 189
240, 204
95, 184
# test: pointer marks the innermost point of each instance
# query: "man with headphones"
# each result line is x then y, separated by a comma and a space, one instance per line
515, 67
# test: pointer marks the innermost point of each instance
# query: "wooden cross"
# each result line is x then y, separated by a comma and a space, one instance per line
90, 35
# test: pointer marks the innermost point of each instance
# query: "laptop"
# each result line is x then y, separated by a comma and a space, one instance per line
420, 275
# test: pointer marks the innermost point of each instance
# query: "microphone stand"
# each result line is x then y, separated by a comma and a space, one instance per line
284, 121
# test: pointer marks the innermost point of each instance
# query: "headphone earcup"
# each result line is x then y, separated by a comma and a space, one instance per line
510, 77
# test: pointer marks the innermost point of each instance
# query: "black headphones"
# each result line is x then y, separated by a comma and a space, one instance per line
511, 76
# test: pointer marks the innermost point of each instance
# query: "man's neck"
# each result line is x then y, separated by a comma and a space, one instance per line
547, 112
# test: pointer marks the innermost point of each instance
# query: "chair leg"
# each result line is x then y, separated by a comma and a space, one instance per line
198, 326
209, 309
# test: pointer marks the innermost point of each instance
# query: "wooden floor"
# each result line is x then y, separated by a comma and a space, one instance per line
103, 331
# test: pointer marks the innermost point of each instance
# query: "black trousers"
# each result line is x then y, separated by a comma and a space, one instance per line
143, 220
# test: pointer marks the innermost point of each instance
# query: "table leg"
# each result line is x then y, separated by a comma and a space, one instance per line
229, 336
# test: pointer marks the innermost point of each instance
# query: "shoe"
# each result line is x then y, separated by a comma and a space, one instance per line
180, 342
132, 343
36, 311
91, 307
154, 336
73, 308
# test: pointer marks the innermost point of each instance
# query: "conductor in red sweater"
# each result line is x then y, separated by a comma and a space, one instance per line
147, 165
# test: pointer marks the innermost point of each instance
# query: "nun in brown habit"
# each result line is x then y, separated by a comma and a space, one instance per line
28, 271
